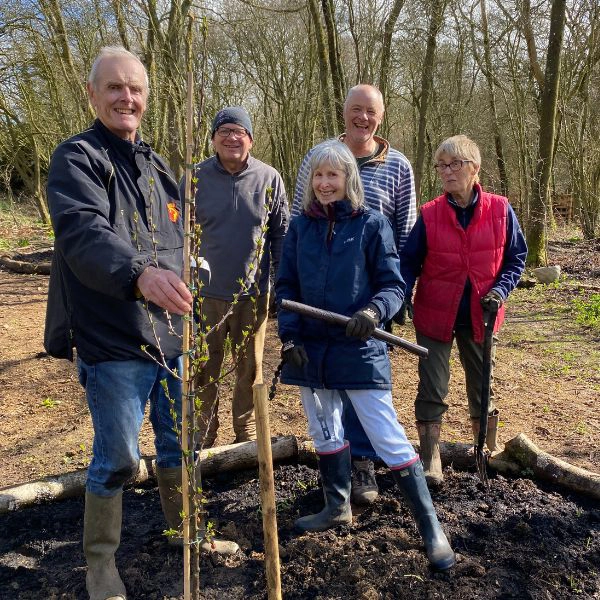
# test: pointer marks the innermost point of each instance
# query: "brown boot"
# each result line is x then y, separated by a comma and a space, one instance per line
169, 488
429, 445
491, 438
101, 538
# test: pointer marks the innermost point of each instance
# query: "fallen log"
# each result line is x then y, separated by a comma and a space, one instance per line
533, 461
519, 458
234, 457
22, 266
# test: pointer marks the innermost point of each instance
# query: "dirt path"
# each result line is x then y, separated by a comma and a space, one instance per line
547, 382
515, 540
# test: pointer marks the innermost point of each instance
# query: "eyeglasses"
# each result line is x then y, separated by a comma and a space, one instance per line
225, 132
455, 165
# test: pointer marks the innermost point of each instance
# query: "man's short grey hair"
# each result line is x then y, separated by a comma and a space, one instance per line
338, 155
359, 86
461, 147
112, 52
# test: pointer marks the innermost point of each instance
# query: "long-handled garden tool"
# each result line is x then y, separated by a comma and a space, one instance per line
489, 320
337, 319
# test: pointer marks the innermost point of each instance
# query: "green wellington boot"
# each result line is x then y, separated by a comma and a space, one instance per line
491, 438
411, 482
101, 538
429, 451
336, 481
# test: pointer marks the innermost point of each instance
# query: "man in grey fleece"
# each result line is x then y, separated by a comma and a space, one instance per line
236, 195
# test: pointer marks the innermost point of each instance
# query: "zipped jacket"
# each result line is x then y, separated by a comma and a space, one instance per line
231, 210
115, 210
341, 264
388, 182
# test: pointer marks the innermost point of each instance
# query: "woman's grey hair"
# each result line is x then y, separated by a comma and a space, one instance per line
111, 52
459, 146
338, 155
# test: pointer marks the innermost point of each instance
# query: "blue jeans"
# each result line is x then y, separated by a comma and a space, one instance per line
360, 446
117, 392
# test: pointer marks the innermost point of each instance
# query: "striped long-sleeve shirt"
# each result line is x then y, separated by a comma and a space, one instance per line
389, 188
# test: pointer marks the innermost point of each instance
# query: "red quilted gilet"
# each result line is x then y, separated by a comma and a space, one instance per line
453, 254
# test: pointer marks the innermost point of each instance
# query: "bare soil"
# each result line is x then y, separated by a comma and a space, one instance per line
517, 540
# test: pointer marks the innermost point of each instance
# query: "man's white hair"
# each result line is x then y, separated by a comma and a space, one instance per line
112, 52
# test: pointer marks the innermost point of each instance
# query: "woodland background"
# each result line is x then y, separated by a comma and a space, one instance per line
522, 77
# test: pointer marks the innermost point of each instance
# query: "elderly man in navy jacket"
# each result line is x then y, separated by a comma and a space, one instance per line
116, 270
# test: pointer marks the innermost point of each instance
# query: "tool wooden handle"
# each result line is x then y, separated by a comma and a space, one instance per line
337, 319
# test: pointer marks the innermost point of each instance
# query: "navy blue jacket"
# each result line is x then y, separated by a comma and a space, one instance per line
339, 264
115, 210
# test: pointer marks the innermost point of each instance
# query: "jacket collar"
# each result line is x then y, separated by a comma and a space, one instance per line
123, 147
338, 211
219, 166
474, 199
379, 157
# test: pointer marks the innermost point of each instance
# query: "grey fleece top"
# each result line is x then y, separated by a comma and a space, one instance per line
231, 210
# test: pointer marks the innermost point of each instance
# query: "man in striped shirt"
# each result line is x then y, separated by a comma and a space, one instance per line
388, 181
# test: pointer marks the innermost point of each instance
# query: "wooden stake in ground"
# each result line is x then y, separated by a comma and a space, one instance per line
190, 520
267, 491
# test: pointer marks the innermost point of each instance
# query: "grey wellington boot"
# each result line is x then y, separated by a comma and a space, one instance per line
491, 438
169, 488
101, 538
413, 486
429, 450
335, 479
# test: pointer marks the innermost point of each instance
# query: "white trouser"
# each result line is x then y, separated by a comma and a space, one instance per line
377, 415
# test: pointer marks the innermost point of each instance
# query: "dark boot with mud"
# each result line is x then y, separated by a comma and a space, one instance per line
169, 488
413, 486
491, 437
335, 479
101, 538
429, 450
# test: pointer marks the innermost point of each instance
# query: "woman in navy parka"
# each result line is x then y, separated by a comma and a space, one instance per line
339, 255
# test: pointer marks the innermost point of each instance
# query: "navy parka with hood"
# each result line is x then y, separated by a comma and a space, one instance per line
339, 260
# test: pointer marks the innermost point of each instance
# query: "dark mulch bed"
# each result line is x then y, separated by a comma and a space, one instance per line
514, 541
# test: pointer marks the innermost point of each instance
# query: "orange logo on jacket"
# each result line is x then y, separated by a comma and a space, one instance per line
173, 212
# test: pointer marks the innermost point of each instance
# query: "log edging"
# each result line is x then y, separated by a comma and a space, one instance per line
520, 457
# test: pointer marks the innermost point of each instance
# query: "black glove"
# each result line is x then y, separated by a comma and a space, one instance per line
405, 309
294, 355
490, 299
363, 322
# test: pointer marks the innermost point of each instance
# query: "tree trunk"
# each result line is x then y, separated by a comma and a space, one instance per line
437, 17
386, 48
328, 113
335, 63
489, 75
540, 198
234, 457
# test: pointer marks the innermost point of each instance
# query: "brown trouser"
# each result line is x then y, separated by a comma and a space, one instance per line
434, 375
247, 354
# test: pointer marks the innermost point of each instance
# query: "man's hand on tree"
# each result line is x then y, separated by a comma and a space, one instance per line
163, 288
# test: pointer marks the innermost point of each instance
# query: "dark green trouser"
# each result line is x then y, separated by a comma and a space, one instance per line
434, 375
